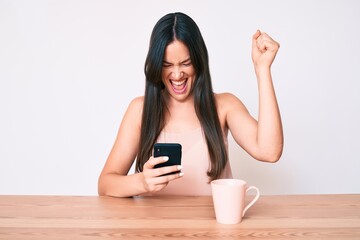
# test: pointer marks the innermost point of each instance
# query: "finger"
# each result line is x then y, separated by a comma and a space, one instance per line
168, 178
269, 42
166, 170
265, 42
153, 161
260, 44
265, 36
155, 184
256, 34
269, 45
161, 181
255, 37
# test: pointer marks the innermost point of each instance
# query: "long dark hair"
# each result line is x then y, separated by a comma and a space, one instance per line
179, 26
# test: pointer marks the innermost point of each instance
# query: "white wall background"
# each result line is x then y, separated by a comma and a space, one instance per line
68, 70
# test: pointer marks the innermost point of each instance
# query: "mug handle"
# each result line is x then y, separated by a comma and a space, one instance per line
254, 200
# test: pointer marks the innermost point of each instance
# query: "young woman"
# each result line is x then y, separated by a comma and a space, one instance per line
180, 106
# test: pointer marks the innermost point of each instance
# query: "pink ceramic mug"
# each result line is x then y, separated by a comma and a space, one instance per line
229, 199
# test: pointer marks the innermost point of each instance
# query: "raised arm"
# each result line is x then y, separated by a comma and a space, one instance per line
263, 139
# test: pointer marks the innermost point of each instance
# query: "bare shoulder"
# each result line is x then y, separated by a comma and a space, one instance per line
136, 105
137, 102
227, 101
134, 111
227, 104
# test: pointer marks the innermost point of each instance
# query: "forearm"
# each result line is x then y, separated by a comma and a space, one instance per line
269, 133
115, 185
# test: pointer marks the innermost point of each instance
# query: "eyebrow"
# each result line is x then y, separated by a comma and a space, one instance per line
182, 62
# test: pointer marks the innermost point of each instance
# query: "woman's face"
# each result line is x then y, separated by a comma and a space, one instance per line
178, 73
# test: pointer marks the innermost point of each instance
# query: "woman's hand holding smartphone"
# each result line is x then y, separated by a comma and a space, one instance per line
170, 150
163, 167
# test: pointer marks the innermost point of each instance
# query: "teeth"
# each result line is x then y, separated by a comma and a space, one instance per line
178, 83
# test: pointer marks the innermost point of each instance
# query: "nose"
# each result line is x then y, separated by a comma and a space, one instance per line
177, 74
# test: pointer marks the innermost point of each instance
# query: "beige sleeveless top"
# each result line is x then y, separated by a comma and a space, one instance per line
195, 162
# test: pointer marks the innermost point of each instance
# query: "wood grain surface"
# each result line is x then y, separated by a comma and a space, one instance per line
92, 217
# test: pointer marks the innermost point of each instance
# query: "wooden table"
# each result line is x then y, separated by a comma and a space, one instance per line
272, 217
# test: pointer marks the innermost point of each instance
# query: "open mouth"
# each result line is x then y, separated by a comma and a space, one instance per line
179, 87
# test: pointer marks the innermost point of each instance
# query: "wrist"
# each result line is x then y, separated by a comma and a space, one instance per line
140, 183
261, 70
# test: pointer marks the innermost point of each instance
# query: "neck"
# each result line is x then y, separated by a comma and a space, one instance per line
181, 115
174, 103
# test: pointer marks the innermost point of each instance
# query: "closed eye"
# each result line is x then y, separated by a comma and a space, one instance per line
166, 64
187, 62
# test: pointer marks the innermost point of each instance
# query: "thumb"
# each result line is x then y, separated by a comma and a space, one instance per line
255, 36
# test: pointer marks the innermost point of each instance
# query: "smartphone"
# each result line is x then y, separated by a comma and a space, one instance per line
172, 150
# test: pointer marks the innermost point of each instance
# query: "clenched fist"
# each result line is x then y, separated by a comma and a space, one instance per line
264, 50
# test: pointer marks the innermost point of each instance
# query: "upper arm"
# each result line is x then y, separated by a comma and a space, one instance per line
125, 148
242, 125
